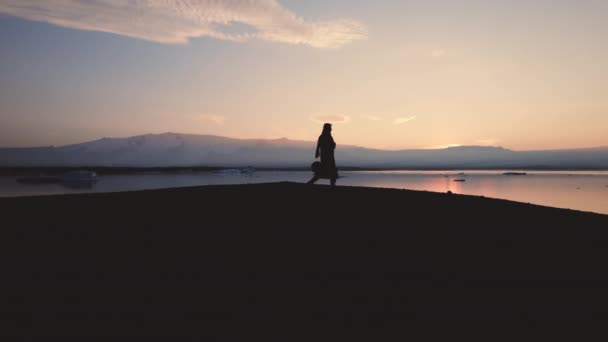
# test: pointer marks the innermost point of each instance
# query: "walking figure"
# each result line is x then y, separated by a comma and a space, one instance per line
325, 149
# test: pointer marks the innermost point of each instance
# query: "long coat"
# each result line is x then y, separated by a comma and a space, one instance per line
325, 149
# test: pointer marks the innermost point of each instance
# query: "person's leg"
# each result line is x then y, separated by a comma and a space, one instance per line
334, 175
313, 180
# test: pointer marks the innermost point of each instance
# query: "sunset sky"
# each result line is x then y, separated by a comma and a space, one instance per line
389, 73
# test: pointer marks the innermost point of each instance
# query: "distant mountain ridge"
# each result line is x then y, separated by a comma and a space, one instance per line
175, 149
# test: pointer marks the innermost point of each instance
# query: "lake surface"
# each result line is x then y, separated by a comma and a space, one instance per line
580, 190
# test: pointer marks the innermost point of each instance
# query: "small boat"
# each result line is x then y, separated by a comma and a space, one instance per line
79, 179
245, 170
79, 176
248, 169
460, 180
515, 174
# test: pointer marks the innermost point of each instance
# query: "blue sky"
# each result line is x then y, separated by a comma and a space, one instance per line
390, 74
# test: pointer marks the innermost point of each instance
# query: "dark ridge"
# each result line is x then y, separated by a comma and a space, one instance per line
288, 259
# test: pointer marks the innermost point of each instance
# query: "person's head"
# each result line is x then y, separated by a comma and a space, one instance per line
327, 128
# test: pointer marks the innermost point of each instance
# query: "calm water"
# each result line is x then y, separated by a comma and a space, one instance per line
581, 190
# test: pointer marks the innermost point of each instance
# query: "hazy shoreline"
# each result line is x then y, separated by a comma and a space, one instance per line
17, 171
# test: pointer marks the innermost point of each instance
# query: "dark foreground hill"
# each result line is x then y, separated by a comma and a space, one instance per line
288, 259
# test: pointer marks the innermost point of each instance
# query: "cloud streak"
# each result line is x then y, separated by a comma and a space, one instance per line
216, 119
178, 21
400, 121
332, 118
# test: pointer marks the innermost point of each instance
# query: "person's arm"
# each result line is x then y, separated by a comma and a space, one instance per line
318, 146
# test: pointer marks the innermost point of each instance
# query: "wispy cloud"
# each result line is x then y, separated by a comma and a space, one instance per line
399, 121
216, 119
177, 21
437, 53
331, 118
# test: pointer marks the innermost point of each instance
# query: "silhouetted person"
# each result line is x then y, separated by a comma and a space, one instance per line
325, 149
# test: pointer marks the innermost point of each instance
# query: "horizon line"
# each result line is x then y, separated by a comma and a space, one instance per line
298, 140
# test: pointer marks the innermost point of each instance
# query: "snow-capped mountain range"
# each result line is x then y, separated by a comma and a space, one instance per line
174, 149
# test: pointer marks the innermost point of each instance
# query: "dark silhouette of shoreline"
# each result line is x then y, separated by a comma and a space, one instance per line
172, 262
108, 170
